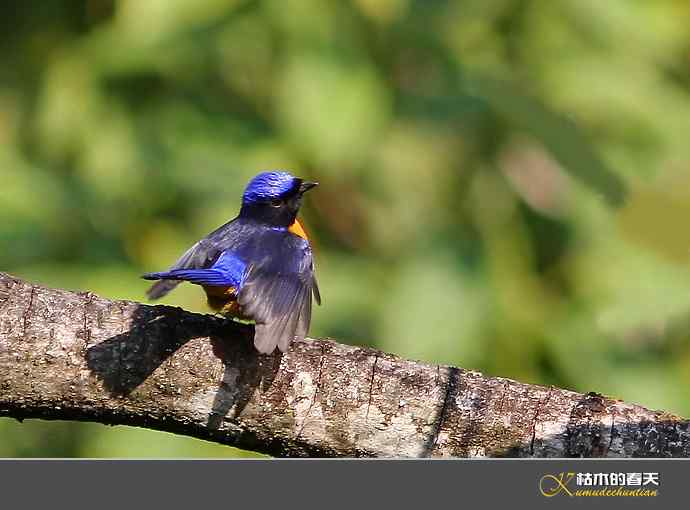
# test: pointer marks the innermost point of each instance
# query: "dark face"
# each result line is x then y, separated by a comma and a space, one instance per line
279, 211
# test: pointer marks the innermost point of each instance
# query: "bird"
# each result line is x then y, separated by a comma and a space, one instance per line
258, 266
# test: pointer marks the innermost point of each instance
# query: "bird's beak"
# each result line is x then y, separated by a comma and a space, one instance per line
306, 186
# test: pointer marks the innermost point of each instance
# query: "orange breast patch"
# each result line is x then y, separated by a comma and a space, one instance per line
297, 229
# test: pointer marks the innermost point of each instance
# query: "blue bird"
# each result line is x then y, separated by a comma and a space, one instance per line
258, 266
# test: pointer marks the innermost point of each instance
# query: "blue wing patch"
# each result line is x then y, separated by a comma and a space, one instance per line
227, 270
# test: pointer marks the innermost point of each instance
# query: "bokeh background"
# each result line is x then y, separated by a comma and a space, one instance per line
505, 184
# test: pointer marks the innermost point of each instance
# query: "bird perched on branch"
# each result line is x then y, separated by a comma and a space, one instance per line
258, 266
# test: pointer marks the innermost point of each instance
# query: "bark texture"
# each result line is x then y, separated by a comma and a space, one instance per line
76, 356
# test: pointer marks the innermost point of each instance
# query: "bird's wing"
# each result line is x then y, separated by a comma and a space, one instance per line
200, 256
277, 292
315, 286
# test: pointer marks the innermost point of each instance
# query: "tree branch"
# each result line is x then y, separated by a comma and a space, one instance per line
76, 356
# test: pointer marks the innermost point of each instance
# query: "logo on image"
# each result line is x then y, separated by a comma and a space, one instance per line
599, 484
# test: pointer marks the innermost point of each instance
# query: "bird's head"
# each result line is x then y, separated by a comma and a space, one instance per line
274, 198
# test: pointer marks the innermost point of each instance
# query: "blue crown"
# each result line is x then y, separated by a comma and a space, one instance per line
267, 186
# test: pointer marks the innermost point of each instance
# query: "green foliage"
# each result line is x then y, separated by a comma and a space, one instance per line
505, 183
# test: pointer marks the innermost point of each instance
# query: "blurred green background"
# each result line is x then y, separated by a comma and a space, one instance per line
505, 184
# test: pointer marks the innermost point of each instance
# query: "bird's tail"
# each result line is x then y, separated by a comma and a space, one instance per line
161, 287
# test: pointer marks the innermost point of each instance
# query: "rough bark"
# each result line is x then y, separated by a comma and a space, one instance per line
76, 356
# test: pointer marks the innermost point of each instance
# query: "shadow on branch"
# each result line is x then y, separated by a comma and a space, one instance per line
125, 361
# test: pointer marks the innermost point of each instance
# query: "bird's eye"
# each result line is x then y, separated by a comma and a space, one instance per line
276, 202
